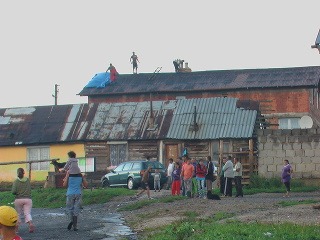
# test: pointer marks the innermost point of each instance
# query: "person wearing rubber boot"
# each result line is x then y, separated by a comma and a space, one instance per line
74, 182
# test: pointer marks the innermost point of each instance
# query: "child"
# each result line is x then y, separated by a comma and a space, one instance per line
72, 164
200, 176
156, 182
8, 223
176, 180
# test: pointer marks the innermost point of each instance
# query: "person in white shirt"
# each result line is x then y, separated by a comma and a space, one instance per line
169, 173
228, 175
237, 171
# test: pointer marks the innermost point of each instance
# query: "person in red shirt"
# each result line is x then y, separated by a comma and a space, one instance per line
8, 223
187, 174
113, 72
201, 172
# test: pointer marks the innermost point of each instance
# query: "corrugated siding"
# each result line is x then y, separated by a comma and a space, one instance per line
217, 118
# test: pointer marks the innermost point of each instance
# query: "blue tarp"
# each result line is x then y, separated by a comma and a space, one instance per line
100, 80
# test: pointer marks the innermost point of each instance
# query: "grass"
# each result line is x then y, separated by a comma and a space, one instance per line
293, 203
142, 203
221, 215
210, 229
54, 198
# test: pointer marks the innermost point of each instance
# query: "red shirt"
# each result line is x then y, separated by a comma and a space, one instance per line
187, 171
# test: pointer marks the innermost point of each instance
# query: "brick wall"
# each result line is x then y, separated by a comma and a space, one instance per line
281, 100
299, 146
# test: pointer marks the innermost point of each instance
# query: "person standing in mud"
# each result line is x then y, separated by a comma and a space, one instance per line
74, 182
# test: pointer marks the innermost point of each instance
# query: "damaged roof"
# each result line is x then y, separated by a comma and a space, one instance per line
210, 81
216, 118
211, 118
45, 124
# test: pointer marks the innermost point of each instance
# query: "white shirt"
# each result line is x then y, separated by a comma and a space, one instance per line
228, 169
237, 166
170, 169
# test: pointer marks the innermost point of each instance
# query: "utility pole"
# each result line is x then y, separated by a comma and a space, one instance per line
55, 95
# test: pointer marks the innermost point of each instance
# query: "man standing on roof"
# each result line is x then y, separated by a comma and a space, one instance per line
113, 72
134, 61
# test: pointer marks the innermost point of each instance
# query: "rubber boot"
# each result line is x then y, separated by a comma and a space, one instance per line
71, 223
75, 221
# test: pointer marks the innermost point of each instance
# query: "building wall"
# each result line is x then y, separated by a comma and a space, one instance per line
299, 146
281, 100
19, 153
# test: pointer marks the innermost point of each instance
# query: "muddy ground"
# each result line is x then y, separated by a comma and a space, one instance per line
103, 221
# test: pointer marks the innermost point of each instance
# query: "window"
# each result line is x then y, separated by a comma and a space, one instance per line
119, 168
289, 123
127, 167
86, 164
38, 153
118, 154
136, 166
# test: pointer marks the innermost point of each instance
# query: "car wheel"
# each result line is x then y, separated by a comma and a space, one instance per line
105, 183
130, 183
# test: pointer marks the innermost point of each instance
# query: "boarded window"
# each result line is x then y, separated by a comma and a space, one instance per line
38, 153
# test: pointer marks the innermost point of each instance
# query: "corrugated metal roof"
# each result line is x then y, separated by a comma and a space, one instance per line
217, 118
44, 124
130, 120
210, 81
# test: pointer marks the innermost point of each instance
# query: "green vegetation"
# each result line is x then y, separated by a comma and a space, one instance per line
274, 185
53, 198
222, 215
142, 203
293, 203
210, 229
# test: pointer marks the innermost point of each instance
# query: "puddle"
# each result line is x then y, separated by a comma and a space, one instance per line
114, 228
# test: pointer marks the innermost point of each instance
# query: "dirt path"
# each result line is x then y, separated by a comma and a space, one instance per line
102, 221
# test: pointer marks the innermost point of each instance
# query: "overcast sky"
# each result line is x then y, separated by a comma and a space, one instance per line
67, 42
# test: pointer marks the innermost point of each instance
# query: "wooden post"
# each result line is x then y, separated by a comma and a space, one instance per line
251, 157
30, 171
220, 155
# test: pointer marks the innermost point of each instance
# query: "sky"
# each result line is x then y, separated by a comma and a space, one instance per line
66, 42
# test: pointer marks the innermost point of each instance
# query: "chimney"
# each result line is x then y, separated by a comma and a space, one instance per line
186, 68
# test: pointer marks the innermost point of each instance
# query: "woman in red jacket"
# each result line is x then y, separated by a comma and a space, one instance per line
201, 171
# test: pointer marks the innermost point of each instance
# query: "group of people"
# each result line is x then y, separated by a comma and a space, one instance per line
10, 217
134, 60
192, 178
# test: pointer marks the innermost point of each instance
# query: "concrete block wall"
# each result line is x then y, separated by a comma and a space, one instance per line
300, 146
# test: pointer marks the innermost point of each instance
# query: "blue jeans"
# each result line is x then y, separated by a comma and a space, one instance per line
201, 187
73, 204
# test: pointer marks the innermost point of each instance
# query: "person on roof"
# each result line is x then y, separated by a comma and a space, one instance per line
134, 61
113, 72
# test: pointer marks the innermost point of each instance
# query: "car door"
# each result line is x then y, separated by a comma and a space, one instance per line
114, 176
123, 176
